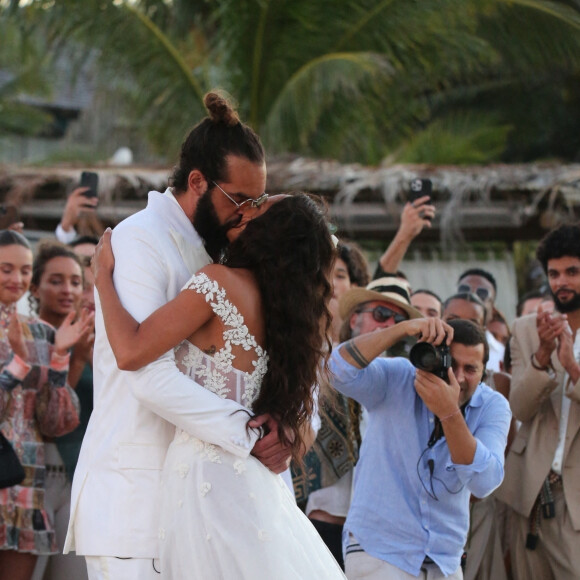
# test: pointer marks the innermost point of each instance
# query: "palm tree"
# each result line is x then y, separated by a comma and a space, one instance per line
356, 80
20, 74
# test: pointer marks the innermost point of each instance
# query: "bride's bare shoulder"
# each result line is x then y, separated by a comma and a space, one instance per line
228, 278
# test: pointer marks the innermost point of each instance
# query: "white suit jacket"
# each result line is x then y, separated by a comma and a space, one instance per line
115, 491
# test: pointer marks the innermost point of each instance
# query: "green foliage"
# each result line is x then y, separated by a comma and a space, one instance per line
459, 139
358, 80
22, 65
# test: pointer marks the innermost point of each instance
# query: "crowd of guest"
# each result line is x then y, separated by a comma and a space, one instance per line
365, 496
397, 481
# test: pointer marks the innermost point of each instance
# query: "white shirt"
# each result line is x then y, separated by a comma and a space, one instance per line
564, 413
496, 352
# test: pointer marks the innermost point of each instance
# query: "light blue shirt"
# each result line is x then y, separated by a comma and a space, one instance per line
394, 514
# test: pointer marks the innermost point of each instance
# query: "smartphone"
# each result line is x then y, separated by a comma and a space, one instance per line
8, 216
90, 179
419, 188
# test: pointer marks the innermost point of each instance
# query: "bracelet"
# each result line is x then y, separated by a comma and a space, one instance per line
536, 364
456, 412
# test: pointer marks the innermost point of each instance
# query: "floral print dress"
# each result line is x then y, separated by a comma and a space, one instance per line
35, 402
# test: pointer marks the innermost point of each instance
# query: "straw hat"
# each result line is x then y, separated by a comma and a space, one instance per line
390, 289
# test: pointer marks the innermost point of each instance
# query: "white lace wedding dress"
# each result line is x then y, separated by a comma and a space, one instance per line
222, 517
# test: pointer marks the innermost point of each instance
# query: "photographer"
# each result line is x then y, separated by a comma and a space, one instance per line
430, 443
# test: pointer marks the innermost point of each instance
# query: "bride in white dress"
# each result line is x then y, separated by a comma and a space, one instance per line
249, 329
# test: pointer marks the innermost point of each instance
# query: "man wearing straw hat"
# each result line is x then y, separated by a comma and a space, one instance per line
383, 303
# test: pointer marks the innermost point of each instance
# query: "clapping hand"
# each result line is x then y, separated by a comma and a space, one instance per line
16, 337
566, 356
71, 330
550, 326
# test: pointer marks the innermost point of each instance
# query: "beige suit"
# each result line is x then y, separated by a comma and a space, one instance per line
536, 401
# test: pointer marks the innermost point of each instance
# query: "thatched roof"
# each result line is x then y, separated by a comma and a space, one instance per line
499, 202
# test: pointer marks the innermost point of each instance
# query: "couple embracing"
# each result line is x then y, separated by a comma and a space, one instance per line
217, 330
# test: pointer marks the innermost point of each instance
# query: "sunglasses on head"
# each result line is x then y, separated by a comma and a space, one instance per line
382, 314
482, 292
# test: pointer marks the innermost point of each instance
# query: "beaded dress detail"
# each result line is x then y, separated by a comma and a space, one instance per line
223, 516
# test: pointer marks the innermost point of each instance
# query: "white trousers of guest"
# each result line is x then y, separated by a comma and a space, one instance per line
361, 566
109, 568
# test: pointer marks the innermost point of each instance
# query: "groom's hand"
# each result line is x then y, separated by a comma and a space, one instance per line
269, 450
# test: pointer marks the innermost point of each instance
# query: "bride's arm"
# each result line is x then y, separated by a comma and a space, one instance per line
134, 344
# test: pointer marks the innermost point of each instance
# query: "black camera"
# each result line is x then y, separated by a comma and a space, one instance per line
431, 358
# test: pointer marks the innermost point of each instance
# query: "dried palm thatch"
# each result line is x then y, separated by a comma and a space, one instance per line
499, 202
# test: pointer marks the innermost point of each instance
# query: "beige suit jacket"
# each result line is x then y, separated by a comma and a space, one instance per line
536, 401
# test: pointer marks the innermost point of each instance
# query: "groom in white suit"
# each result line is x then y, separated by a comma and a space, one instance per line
219, 181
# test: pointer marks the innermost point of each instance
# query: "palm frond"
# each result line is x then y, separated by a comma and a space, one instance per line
460, 138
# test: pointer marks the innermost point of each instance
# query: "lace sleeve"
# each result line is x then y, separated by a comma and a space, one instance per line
202, 284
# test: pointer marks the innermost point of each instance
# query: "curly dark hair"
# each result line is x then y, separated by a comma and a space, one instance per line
46, 251
290, 252
208, 144
355, 261
558, 243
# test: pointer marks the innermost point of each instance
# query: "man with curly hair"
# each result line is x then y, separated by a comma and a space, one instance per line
542, 482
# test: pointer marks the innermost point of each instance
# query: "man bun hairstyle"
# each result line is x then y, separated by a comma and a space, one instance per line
220, 111
208, 144
558, 243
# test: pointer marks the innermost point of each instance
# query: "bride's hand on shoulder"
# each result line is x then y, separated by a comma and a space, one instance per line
103, 262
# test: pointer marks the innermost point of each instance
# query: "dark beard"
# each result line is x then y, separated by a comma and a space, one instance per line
569, 306
207, 225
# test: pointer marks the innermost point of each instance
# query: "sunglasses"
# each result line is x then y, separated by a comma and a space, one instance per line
248, 202
482, 292
382, 314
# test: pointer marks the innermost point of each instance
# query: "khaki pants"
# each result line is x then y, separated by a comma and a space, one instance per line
557, 554
361, 566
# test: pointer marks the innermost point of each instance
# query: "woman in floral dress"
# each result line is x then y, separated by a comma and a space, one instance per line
35, 401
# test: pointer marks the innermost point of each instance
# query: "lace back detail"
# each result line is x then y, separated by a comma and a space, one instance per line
216, 372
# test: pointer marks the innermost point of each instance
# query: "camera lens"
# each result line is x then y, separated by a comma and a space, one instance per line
425, 356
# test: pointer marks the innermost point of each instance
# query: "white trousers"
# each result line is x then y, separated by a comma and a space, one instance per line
361, 566
108, 568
